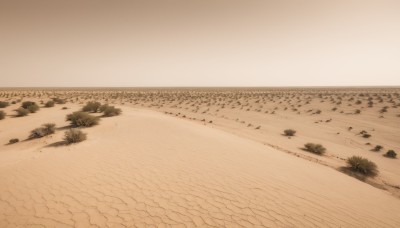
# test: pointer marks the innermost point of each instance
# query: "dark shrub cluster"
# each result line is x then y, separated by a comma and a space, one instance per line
22, 112
289, 132
362, 165
4, 104
391, 154
91, 106
315, 148
49, 104
45, 129
74, 136
377, 148
58, 100
82, 119
111, 111
2, 115
31, 106
13, 141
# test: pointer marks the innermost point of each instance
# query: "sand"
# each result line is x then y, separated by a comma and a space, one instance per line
146, 168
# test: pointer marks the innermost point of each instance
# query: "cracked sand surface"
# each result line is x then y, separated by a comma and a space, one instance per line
145, 169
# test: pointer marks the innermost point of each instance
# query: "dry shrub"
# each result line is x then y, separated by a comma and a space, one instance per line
289, 132
46, 129
82, 119
22, 112
315, 148
74, 136
362, 165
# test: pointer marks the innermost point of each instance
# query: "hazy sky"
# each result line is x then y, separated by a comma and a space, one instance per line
199, 43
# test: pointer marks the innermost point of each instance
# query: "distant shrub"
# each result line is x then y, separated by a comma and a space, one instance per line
22, 112
4, 104
12, 141
82, 119
103, 107
362, 165
91, 107
46, 129
289, 132
49, 104
58, 100
74, 136
112, 111
315, 148
378, 148
31, 106
2, 115
391, 154
64, 108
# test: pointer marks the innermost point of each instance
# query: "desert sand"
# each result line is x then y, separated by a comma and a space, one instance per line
202, 158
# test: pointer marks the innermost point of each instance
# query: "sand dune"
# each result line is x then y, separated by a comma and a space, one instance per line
144, 169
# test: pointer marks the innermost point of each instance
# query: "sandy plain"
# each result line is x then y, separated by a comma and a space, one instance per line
193, 157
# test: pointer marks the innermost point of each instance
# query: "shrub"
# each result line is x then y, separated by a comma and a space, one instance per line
82, 119
2, 115
26, 104
362, 165
289, 132
22, 112
91, 107
46, 129
378, 148
103, 107
49, 104
4, 104
12, 141
30, 106
391, 154
112, 111
58, 100
74, 136
315, 148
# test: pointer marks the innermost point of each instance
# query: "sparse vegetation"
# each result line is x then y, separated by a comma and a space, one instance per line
82, 119
111, 111
74, 136
46, 129
13, 141
31, 106
362, 165
289, 132
49, 104
91, 107
4, 104
22, 112
391, 154
2, 115
377, 148
315, 148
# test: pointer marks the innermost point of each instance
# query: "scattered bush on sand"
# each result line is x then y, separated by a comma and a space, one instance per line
12, 141
289, 132
315, 148
391, 154
49, 104
31, 106
111, 111
2, 115
74, 136
46, 129
362, 165
91, 107
22, 112
4, 104
82, 119
58, 100
377, 148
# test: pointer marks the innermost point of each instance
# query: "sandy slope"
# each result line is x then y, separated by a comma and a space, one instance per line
145, 168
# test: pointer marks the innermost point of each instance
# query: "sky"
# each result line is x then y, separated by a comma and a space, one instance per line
152, 43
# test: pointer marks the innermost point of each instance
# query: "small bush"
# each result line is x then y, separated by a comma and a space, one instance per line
91, 107
74, 136
289, 132
4, 104
362, 165
22, 112
112, 111
33, 108
49, 104
391, 154
12, 141
378, 148
58, 100
315, 148
82, 119
2, 115
40, 132
26, 104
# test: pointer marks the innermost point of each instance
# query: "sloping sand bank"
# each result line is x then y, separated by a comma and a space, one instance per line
147, 169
